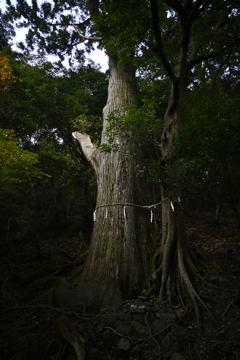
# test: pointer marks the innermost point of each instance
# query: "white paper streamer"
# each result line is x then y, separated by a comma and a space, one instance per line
94, 215
151, 216
172, 206
106, 215
124, 212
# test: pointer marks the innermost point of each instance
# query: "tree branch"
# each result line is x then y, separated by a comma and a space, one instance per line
97, 38
175, 5
87, 147
198, 8
182, 12
158, 36
214, 53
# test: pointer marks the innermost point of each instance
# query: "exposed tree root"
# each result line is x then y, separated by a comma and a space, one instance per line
67, 333
189, 286
174, 269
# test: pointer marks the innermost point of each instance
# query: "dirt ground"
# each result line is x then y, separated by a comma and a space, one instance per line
28, 321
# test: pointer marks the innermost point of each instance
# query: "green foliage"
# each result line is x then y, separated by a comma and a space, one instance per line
50, 29
49, 98
19, 169
140, 131
47, 108
42, 108
17, 166
122, 30
7, 31
208, 145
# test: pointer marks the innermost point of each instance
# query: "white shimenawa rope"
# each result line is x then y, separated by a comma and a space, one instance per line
151, 220
124, 212
106, 215
150, 207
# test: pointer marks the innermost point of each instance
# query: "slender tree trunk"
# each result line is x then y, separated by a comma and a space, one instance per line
173, 233
174, 261
117, 266
176, 268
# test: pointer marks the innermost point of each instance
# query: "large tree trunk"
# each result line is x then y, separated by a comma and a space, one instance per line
117, 266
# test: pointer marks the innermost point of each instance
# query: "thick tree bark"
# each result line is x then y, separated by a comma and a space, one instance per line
117, 266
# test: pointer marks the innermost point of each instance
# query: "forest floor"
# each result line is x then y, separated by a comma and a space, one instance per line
28, 327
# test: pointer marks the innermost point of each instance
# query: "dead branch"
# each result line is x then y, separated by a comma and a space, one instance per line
96, 38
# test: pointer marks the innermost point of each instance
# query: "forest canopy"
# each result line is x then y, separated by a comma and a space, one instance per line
105, 179
164, 133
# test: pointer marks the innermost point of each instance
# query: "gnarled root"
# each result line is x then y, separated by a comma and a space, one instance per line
174, 273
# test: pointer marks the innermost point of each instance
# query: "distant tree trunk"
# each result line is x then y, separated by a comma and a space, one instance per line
117, 266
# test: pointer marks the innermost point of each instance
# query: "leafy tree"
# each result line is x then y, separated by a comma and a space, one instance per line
18, 171
6, 76
180, 36
123, 240
17, 165
51, 101
199, 29
7, 31
209, 164
42, 109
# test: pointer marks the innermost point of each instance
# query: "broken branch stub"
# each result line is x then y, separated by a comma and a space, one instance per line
89, 150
